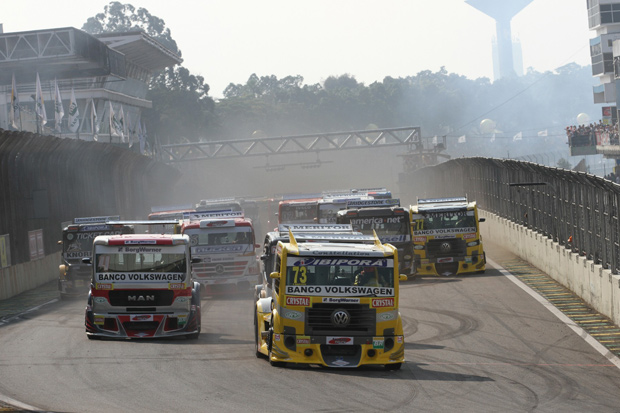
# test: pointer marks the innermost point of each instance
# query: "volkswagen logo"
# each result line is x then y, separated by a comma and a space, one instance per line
445, 247
219, 268
340, 318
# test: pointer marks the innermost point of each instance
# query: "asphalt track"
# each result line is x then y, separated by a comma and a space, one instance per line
483, 343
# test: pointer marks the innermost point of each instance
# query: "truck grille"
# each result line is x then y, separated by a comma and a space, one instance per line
221, 269
446, 248
132, 298
363, 320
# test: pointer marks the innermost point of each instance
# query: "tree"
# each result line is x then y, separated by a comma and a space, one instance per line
182, 108
564, 164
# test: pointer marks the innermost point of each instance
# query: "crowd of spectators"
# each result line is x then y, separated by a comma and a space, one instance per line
613, 177
585, 135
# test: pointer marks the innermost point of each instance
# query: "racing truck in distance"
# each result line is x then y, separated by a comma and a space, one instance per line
333, 304
77, 243
224, 242
391, 223
446, 237
142, 287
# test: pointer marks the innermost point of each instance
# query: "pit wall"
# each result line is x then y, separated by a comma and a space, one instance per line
596, 286
19, 278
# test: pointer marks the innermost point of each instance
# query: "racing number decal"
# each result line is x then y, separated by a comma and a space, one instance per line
301, 276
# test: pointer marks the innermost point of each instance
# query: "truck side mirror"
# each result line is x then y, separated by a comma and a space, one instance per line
275, 275
196, 260
86, 260
402, 277
482, 219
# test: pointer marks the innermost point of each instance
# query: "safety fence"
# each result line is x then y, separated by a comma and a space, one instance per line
45, 181
576, 209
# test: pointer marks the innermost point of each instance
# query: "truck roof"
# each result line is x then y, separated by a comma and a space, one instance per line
142, 239
341, 249
445, 204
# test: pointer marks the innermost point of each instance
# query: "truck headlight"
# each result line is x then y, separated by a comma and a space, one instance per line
473, 243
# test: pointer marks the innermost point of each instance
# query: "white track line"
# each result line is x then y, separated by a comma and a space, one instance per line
570, 323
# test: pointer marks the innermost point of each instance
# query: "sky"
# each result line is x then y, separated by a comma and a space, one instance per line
226, 41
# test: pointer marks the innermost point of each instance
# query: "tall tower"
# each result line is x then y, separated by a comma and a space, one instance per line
502, 11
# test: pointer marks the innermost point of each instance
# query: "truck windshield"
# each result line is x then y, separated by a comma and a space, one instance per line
398, 225
239, 235
447, 220
326, 271
140, 262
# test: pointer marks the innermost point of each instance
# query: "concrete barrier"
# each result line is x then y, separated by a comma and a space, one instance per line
28, 276
595, 285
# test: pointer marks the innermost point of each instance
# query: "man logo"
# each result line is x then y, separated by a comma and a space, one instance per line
340, 318
141, 298
445, 247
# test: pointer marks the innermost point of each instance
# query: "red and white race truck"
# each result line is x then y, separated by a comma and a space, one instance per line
225, 244
142, 287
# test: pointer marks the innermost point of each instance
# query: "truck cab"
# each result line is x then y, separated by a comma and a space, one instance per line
446, 237
333, 304
142, 287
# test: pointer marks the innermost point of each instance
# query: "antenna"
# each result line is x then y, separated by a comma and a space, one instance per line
502, 11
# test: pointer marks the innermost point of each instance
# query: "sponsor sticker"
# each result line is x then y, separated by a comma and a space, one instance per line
99, 320
276, 337
101, 286
399, 339
340, 341
469, 236
341, 300
446, 259
339, 291
382, 302
419, 239
303, 341
299, 301
176, 286
141, 317
378, 343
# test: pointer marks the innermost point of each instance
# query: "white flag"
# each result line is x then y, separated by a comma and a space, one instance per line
130, 130
94, 121
518, 136
143, 142
139, 133
114, 125
542, 133
462, 139
121, 123
14, 114
435, 140
59, 110
40, 104
74, 113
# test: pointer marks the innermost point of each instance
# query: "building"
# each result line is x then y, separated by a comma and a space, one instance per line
107, 73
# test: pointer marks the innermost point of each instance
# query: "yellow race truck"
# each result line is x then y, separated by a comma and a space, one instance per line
333, 304
446, 237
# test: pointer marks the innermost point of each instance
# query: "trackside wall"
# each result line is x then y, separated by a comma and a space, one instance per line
19, 278
594, 284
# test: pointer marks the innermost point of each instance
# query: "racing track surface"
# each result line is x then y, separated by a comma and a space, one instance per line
474, 344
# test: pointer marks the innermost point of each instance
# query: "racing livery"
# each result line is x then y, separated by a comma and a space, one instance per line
224, 243
333, 304
446, 237
77, 243
142, 287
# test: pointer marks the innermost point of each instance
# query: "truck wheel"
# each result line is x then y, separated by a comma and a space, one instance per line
273, 363
256, 343
393, 367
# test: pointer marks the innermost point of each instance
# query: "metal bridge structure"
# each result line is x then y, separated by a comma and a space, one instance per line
312, 143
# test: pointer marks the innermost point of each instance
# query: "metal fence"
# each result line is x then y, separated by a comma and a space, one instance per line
45, 181
576, 209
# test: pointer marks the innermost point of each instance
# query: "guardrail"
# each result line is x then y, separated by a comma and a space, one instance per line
577, 210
